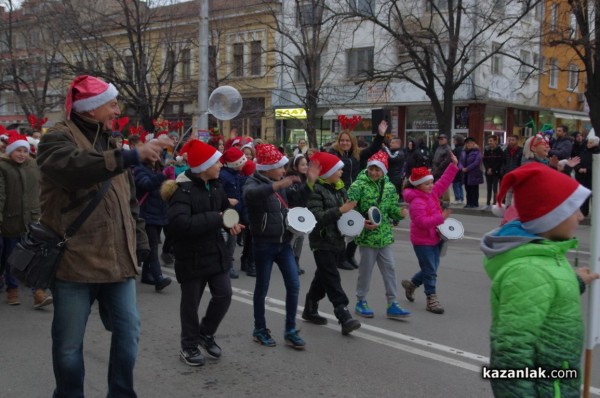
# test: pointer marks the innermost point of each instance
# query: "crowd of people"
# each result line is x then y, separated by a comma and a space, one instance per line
172, 201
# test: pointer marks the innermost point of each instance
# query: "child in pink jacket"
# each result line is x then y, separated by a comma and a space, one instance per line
423, 198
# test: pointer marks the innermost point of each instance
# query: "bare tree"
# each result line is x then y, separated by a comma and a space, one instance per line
143, 48
309, 40
577, 28
438, 46
28, 56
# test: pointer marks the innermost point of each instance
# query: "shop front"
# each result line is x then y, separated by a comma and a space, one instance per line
575, 121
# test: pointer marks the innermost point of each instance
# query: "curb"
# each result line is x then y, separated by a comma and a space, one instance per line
487, 213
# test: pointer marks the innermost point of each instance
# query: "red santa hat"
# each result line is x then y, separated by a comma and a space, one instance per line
268, 157
16, 140
248, 168
233, 158
200, 156
419, 175
329, 163
235, 141
379, 159
88, 93
543, 197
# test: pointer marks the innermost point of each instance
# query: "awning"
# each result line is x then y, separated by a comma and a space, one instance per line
571, 116
332, 114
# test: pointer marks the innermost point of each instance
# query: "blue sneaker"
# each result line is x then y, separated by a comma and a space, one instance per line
293, 340
362, 309
263, 336
394, 311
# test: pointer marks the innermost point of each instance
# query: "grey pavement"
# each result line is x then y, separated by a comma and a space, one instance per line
426, 355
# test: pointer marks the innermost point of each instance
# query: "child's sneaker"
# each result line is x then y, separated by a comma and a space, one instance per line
394, 311
409, 289
362, 309
191, 356
208, 343
293, 340
433, 304
263, 336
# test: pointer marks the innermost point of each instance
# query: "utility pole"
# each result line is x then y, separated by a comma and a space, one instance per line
202, 111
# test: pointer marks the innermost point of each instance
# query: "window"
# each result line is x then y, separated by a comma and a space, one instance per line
538, 10
360, 62
109, 66
170, 61
572, 26
441, 5
255, 58
553, 73
553, 17
496, 59
186, 64
212, 63
499, 6
302, 70
310, 13
129, 67
362, 7
525, 68
238, 59
573, 81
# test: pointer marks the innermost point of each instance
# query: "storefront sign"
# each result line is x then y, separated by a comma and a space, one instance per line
290, 113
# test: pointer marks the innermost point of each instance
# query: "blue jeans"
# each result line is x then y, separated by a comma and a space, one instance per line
72, 306
429, 261
7, 246
459, 194
265, 254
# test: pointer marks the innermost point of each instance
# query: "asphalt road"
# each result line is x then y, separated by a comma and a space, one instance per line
425, 356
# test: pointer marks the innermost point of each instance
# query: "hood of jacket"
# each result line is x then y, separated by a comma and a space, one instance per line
512, 241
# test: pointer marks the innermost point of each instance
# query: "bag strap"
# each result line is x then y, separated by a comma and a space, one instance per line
72, 229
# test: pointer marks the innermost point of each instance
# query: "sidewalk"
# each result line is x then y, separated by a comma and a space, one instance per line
459, 209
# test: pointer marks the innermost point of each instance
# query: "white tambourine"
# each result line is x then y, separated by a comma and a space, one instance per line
351, 223
230, 218
374, 215
451, 229
300, 220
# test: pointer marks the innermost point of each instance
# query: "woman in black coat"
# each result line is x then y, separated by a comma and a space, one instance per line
153, 209
346, 148
583, 171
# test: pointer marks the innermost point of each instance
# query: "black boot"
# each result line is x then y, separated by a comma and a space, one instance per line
244, 263
350, 252
300, 270
345, 319
251, 268
311, 312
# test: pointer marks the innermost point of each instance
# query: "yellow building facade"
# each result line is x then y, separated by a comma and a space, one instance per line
562, 77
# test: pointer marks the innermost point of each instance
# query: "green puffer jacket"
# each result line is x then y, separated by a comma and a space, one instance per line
325, 202
366, 192
536, 311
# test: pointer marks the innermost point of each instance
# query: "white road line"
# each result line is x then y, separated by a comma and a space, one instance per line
280, 309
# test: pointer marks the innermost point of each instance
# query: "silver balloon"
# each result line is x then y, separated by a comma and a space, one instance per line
225, 103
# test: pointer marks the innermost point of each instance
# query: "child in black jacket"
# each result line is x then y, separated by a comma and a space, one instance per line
196, 206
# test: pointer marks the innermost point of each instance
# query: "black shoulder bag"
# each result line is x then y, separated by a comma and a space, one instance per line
35, 258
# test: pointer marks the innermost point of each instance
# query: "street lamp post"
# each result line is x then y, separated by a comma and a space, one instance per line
202, 111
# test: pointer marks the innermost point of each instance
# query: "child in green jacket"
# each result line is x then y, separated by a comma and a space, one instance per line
537, 322
372, 188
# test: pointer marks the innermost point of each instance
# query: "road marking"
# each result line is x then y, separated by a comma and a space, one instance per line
278, 306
